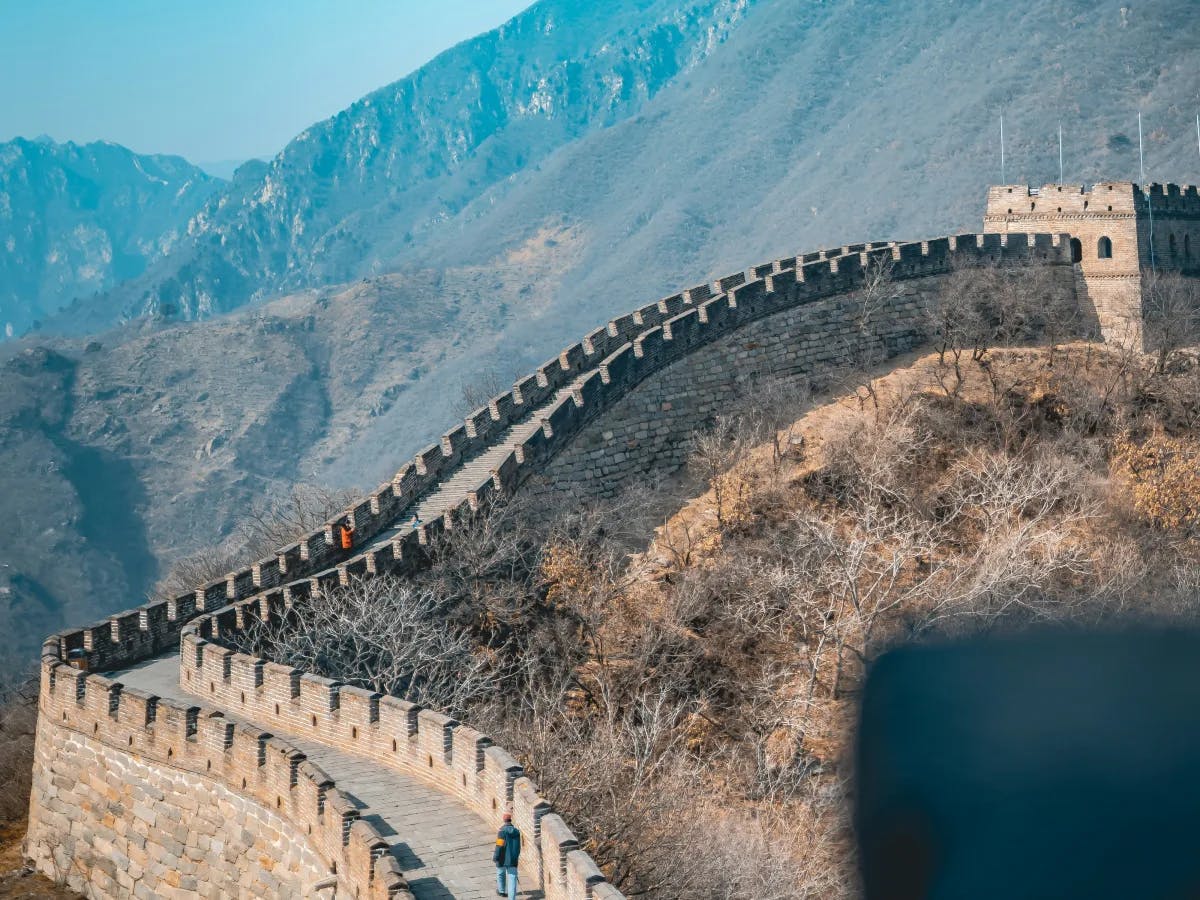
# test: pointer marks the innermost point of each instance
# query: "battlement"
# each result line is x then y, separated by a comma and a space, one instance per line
1169, 200
594, 375
1115, 197
1118, 198
451, 757
245, 760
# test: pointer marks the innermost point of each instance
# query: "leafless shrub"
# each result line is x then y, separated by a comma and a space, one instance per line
716, 454
384, 634
1171, 315
18, 719
279, 521
283, 519
191, 572
865, 348
775, 404
979, 307
477, 392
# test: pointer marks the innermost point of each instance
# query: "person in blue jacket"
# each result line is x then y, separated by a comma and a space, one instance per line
505, 856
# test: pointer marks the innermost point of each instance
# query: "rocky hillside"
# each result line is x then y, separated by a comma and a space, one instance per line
359, 192
475, 217
77, 219
692, 136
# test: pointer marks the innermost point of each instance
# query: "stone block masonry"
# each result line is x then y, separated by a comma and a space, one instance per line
619, 403
1118, 229
112, 824
186, 802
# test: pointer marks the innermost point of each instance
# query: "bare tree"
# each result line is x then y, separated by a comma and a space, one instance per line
716, 454
191, 572
775, 403
18, 720
282, 519
1170, 315
384, 634
275, 523
477, 392
866, 347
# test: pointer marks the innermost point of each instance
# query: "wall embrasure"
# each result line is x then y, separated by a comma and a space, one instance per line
688, 355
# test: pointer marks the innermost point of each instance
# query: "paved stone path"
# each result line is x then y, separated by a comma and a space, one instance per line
453, 491
444, 849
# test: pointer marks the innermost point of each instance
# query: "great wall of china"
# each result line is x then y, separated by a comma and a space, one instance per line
168, 764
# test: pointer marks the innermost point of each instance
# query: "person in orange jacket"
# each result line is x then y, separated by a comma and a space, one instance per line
347, 535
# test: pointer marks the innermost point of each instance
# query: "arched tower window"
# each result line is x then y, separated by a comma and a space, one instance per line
1076, 250
1187, 246
1104, 248
1171, 243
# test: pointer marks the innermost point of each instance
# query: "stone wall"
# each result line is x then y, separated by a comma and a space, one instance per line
109, 760
1135, 220
648, 432
1169, 227
110, 824
783, 317
447, 755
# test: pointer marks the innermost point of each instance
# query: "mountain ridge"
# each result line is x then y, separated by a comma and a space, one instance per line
803, 126
76, 219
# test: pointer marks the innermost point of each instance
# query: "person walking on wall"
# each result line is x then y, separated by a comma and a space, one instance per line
506, 855
347, 536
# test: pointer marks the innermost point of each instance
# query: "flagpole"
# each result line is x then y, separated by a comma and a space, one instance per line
1002, 181
1141, 157
1060, 163
1145, 187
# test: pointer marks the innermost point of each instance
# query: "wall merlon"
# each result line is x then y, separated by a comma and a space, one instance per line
729, 282
649, 344
572, 359
428, 745
398, 717
781, 282
135, 708
582, 874
617, 367
429, 460
359, 705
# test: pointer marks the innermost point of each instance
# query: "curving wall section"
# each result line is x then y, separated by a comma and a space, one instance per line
451, 757
85, 717
199, 802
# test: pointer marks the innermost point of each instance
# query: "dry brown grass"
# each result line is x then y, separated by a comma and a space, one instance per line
1043, 485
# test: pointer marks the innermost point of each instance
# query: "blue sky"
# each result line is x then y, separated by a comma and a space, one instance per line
215, 79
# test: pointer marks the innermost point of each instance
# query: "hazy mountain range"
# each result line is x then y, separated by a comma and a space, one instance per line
77, 219
480, 213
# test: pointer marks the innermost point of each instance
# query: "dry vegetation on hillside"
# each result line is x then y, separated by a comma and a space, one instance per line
18, 716
684, 690
688, 704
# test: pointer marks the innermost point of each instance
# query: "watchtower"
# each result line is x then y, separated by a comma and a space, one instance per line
1118, 231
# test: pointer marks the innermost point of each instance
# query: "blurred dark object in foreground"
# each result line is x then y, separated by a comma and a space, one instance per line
1055, 765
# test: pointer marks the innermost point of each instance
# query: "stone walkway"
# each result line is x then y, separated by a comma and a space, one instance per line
444, 849
454, 490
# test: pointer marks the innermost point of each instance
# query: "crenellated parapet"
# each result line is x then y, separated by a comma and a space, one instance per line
249, 762
425, 744
519, 434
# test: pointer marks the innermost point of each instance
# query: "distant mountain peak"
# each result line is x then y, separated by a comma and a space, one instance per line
77, 219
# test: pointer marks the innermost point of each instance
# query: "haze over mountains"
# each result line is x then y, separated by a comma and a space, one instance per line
78, 219
496, 204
